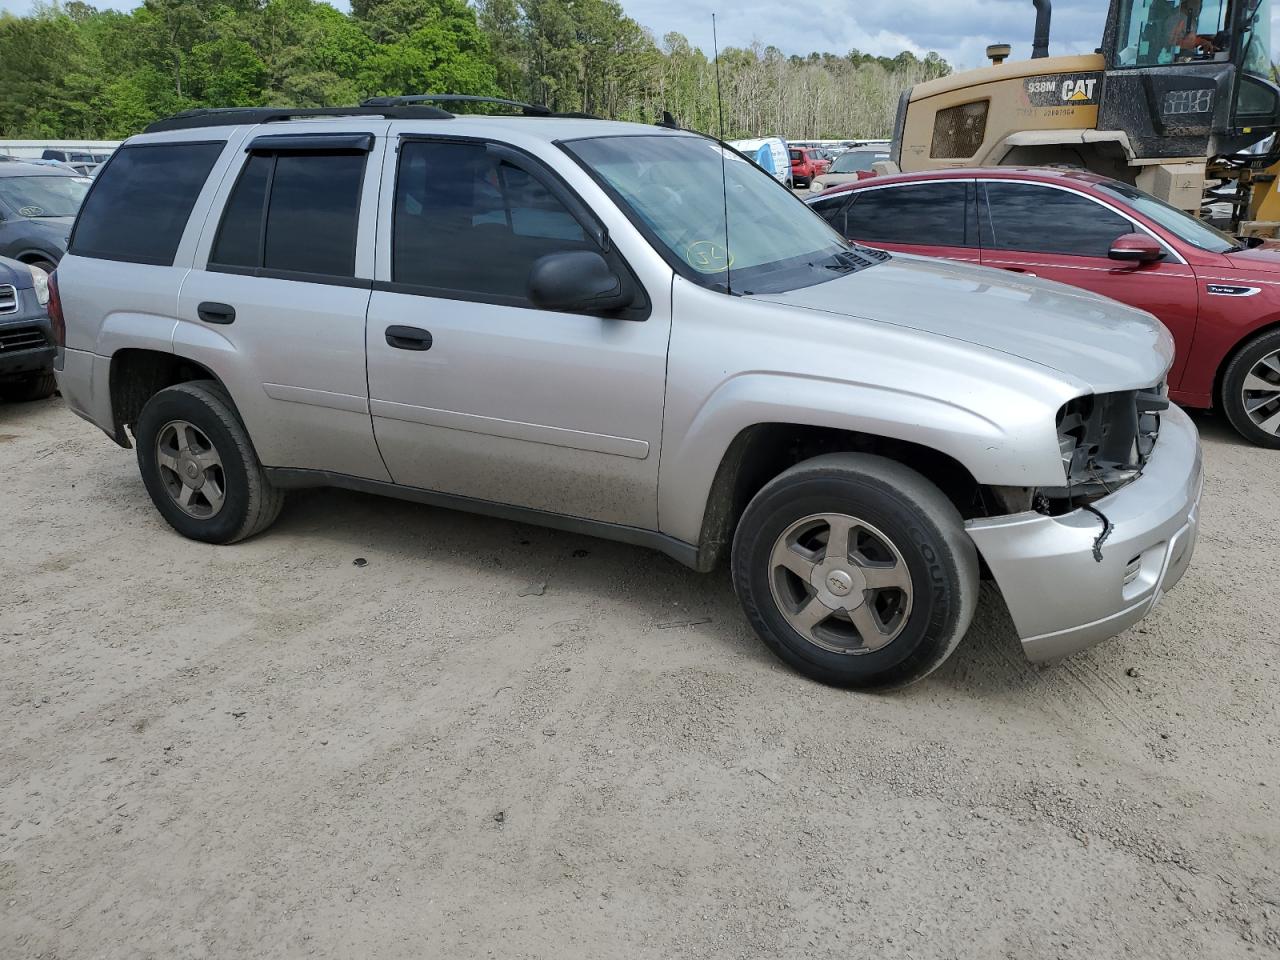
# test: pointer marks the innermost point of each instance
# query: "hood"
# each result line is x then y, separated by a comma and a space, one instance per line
1265, 258
1094, 340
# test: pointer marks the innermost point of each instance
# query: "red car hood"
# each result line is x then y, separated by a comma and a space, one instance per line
1264, 258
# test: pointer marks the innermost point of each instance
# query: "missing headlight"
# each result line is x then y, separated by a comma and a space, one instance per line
1105, 440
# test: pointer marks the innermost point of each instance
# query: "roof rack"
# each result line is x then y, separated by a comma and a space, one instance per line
526, 109
228, 116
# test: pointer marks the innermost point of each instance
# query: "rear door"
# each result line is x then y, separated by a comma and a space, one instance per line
276, 303
1059, 234
474, 391
932, 218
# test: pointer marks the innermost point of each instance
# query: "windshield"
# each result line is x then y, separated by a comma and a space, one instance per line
1178, 222
43, 196
670, 186
855, 162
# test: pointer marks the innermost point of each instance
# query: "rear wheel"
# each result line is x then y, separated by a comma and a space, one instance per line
1251, 391
37, 386
856, 571
199, 466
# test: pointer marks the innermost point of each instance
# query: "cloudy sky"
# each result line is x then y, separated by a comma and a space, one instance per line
958, 29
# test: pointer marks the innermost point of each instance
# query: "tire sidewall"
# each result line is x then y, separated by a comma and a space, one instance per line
183, 404
935, 605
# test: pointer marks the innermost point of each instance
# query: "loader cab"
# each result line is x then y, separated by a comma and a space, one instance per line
1189, 77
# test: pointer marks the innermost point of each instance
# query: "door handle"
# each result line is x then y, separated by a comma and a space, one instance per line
1022, 270
408, 338
211, 312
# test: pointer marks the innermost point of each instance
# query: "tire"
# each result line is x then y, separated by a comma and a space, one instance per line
1255, 413
37, 386
234, 499
901, 519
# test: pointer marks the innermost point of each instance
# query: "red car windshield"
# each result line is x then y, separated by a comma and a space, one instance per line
1181, 224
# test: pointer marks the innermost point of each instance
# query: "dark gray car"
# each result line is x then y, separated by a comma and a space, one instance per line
26, 336
38, 204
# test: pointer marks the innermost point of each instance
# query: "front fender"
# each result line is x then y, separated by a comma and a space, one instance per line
1020, 451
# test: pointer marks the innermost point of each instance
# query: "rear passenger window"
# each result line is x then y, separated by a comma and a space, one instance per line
927, 213
141, 202
469, 222
293, 213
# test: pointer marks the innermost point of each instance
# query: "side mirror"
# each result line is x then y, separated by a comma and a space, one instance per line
1135, 248
576, 281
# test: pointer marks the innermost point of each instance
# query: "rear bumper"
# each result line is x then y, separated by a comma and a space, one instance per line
84, 380
1061, 599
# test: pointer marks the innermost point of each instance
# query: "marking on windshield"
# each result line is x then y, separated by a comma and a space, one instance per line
31, 211
707, 256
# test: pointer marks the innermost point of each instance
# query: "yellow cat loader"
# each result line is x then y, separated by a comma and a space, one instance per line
1179, 92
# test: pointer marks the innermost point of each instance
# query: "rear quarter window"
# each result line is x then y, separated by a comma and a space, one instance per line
140, 203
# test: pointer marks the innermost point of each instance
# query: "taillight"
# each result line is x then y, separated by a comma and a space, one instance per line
56, 320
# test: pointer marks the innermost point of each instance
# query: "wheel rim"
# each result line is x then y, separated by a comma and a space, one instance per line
1261, 393
190, 469
840, 583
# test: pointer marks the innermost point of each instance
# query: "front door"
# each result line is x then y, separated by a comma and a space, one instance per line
1051, 232
474, 391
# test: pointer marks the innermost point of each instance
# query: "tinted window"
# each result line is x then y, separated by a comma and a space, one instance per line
140, 204
928, 213
471, 222
1027, 216
240, 237
311, 214
832, 210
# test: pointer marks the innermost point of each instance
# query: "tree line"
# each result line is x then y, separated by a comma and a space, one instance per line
70, 70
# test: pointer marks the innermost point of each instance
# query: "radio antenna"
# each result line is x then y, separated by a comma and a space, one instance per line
724, 180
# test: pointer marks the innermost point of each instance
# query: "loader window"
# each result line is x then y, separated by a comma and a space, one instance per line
958, 131
1154, 32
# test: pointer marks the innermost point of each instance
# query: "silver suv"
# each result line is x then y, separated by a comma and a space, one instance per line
627, 331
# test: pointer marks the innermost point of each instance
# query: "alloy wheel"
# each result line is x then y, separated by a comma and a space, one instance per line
840, 583
1261, 393
191, 469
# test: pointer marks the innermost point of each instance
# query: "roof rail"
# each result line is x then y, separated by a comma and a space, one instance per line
229, 116
526, 109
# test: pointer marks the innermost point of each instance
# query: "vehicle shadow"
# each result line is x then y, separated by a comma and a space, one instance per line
663, 593
1213, 426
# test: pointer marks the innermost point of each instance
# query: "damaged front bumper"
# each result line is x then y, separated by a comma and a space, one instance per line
1061, 598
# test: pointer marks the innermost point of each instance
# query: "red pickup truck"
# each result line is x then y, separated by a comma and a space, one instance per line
805, 165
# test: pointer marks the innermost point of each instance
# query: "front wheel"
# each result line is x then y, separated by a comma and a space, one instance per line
1251, 391
856, 571
199, 466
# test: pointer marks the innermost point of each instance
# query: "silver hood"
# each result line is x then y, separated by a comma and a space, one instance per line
1093, 339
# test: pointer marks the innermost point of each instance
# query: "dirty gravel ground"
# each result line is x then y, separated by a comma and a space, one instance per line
267, 751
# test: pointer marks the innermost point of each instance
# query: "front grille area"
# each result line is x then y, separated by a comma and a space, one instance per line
8, 298
21, 338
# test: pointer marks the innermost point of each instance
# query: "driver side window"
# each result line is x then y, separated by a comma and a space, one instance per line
1152, 32
470, 222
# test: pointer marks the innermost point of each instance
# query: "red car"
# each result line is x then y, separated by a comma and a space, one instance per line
805, 165
1219, 297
